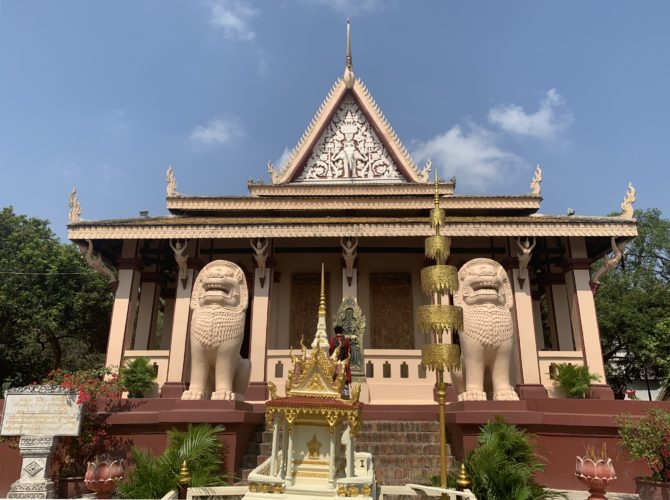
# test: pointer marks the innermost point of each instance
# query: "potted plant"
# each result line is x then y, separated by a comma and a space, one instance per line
138, 376
596, 471
574, 380
647, 438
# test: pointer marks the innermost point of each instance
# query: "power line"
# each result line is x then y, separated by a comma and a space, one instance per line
38, 274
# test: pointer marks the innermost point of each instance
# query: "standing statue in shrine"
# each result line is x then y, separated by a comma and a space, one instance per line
340, 347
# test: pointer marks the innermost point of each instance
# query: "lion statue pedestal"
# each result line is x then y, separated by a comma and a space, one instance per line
219, 302
487, 339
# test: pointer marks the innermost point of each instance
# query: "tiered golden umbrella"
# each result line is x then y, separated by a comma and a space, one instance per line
440, 281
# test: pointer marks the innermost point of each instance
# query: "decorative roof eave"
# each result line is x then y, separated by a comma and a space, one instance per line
349, 202
176, 227
382, 127
258, 190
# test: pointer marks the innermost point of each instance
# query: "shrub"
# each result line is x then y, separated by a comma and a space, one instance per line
647, 438
74, 452
154, 476
503, 465
573, 380
138, 376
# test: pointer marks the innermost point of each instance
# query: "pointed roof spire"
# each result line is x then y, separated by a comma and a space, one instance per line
349, 77
321, 336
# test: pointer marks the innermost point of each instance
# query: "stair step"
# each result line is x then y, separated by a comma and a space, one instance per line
404, 452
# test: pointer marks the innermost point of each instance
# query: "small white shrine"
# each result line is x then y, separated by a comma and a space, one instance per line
313, 431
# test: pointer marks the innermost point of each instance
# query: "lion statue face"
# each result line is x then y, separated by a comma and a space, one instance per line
220, 283
219, 302
484, 281
486, 297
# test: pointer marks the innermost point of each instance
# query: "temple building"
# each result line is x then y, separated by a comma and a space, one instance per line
350, 196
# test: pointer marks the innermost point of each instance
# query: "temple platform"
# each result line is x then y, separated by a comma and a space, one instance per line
564, 427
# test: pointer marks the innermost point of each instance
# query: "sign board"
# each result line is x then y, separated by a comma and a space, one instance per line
41, 410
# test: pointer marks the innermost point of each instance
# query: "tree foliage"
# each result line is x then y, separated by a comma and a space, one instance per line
633, 303
54, 309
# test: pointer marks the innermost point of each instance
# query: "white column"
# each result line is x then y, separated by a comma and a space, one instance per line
168, 316
289, 457
351, 453
559, 295
284, 448
537, 321
583, 308
331, 461
180, 330
347, 289
145, 315
120, 330
260, 313
275, 442
523, 308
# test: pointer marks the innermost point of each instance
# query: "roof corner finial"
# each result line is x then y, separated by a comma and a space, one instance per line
349, 77
627, 205
535, 188
75, 207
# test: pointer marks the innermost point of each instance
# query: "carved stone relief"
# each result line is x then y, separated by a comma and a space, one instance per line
349, 150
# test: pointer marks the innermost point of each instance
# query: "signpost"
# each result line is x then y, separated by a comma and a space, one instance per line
38, 414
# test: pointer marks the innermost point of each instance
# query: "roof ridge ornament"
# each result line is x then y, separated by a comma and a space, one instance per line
349, 77
171, 188
75, 208
535, 187
628, 200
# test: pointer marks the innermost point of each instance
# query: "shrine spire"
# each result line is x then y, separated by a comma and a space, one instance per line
349, 67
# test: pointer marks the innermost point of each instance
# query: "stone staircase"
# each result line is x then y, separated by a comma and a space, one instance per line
404, 452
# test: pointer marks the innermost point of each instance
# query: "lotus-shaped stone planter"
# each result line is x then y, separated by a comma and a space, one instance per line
596, 475
101, 477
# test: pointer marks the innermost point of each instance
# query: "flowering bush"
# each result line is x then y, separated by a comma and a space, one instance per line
94, 440
647, 438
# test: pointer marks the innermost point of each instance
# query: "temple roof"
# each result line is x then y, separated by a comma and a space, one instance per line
264, 226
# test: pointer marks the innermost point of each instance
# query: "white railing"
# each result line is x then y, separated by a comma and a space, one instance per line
393, 376
158, 358
547, 358
216, 492
420, 490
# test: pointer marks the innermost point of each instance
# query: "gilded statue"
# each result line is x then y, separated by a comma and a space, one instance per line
219, 303
487, 340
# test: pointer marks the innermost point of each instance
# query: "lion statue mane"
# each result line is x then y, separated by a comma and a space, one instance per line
487, 340
219, 302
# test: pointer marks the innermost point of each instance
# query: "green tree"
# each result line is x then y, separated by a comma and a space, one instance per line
54, 309
633, 303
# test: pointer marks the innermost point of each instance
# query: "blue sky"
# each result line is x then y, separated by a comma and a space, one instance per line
104, 96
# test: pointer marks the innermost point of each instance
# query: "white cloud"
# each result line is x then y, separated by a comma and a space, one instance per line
473, 156
546, 123
351, 7
234, 17
217, 131
263, 68
279, 163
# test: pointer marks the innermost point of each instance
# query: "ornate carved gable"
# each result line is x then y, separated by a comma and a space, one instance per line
349, 141
349, 150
